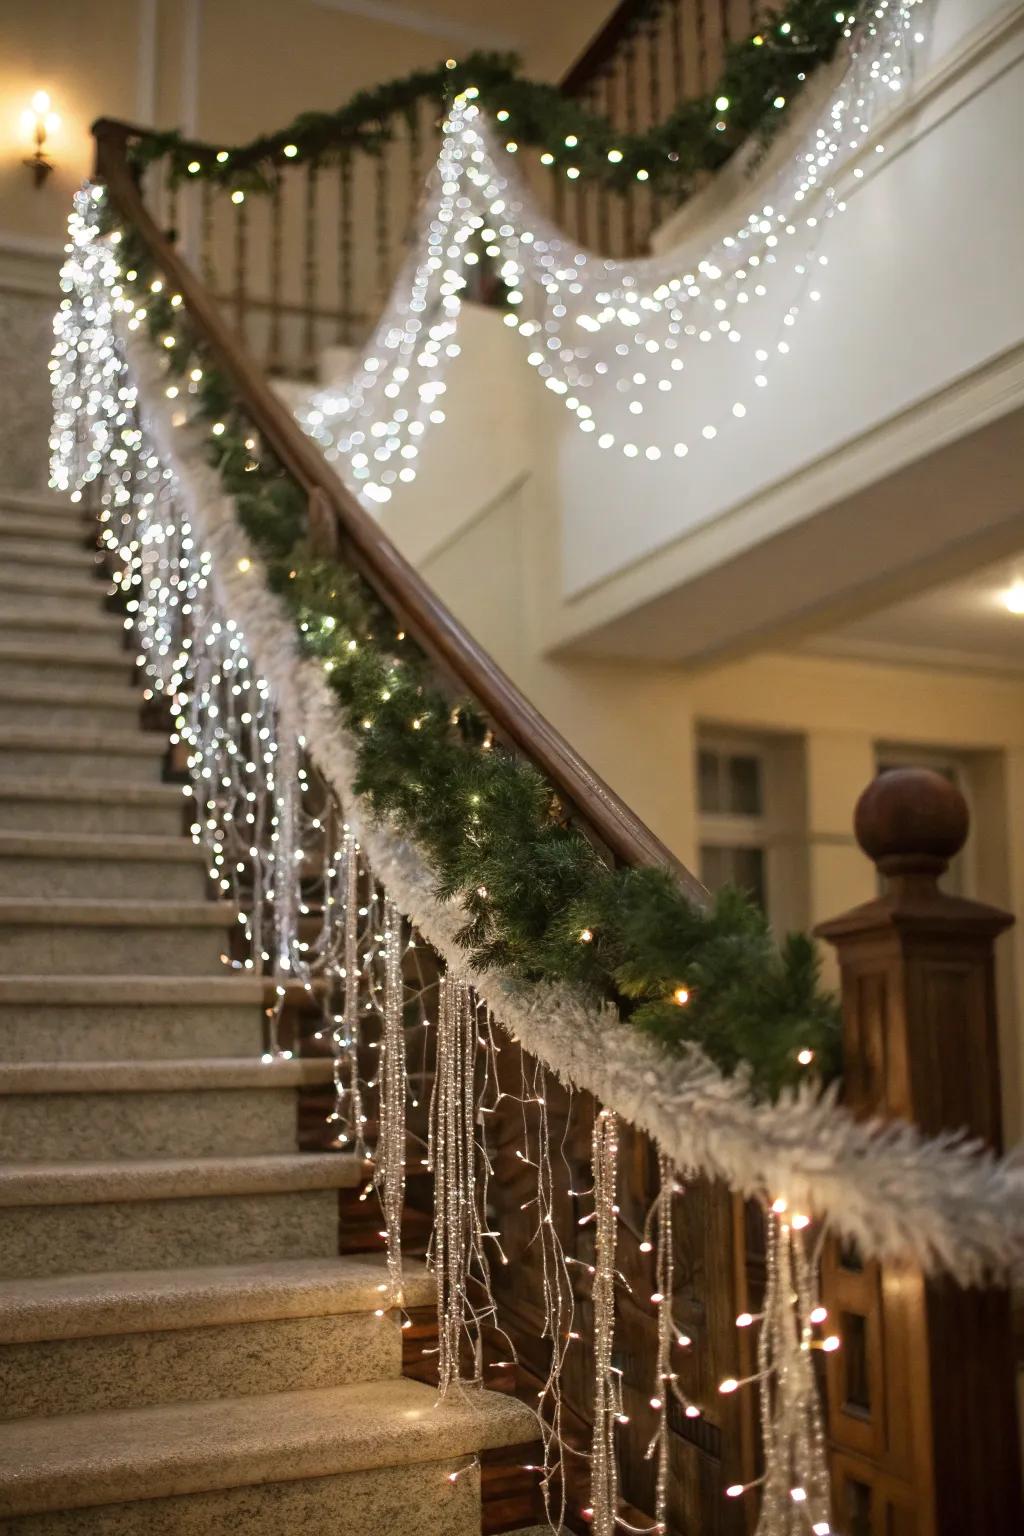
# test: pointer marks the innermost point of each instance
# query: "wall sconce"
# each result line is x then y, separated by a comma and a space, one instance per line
39, 123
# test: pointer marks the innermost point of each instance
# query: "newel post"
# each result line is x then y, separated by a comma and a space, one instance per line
921, 1396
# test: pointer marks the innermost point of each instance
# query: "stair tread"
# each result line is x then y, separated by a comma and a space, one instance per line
141, 913
67, 527
44, 581
126, 846
138, 990
171, 1178
69, 655
13, 498
112, 1456
184, 1074
87, 695
46, 787
99, 622
133, 743
141, 1301
44, 552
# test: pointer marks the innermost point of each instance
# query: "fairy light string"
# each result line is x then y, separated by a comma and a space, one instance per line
610, 338
311, 911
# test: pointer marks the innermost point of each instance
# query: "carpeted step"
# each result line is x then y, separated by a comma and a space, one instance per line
80, 865
364, 1458
123, 757
156, 1213
40, 502
45, 554
203, 1107
65, 591
56, 526
78, 1343
120, 938
96, 1018
60, 706
73, 659
55, 802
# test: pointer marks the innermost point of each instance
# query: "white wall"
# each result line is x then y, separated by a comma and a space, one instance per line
922, 294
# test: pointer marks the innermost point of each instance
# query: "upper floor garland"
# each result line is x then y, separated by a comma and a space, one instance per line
762, 75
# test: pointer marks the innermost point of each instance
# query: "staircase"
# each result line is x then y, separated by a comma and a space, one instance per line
181, 1348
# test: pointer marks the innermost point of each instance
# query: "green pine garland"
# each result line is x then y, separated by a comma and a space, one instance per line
540, 901
761, 76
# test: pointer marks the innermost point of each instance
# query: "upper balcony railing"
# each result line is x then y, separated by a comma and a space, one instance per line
301, 243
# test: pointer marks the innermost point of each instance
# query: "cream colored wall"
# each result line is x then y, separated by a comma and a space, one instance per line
638, 728
260, 63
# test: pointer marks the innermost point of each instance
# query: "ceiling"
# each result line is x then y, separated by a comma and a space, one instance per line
547, 37
962, 623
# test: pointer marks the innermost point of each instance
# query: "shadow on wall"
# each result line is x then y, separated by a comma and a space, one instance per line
25, 339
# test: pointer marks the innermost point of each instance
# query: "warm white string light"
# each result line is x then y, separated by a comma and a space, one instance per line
608, 337
283, 863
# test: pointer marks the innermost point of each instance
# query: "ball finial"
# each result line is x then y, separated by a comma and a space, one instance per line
911, 819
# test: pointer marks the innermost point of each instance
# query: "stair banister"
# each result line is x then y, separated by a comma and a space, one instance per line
922, 1410
368, 549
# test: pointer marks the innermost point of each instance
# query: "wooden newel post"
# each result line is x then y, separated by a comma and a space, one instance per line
921, 1396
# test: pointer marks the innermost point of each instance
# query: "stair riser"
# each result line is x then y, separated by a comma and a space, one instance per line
118, 767
107, 646
39, 715
18, 582
76, 816
36, 949
109, 879
67, 609
158, 1234
412, 1500
78, 1127
99, 666
136, 1370
41, 556
71, 529
125, 1032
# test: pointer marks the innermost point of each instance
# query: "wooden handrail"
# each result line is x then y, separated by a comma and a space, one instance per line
363, 544
603, 47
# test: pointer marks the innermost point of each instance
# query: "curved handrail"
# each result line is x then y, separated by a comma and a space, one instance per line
605, 44
369, 550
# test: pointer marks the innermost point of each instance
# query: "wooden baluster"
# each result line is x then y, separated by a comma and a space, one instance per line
415, 168
558, 197
654, 95
582, 228
382, 223
676, 41
604, 202
206, 237
922, 1412
628, 208
344, 329
276, 266
172, 204
310, 269
725, 27
701, 26
241, 260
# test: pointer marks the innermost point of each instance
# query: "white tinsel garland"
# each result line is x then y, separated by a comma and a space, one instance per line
940, 1201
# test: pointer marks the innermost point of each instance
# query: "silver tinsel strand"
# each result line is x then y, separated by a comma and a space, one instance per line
607, 1393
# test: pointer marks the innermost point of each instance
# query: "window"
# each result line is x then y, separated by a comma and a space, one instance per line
731, 804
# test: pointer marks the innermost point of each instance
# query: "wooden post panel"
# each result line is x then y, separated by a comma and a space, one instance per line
921, 1396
